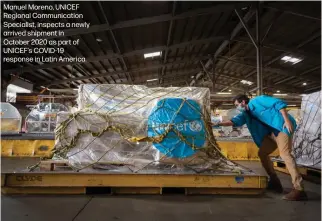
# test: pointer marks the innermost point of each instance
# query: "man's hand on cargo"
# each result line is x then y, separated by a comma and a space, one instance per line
224, 124
287, 122
289, 126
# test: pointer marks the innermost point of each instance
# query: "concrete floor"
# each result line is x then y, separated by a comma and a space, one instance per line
268, 207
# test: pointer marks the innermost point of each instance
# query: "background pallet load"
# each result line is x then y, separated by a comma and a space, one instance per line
10, 119
307, 137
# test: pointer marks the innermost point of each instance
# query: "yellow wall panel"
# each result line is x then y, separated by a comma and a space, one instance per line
27, 148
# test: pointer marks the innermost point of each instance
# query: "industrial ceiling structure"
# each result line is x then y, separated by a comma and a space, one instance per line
192, 44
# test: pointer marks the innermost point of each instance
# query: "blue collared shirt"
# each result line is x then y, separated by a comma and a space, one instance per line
267, 118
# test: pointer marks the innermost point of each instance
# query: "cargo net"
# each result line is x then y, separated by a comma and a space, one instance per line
131, 128
307, 137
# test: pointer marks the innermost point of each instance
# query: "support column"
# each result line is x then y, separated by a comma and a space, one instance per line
259, 54
257, 43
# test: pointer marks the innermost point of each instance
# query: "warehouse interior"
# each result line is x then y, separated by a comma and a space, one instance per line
208, 51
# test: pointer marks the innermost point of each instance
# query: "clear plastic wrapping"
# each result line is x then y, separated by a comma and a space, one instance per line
42, 118
307, 137
231, 132
140, 127
10, 119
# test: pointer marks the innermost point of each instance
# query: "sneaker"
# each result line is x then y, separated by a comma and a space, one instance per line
295, 195
275, 184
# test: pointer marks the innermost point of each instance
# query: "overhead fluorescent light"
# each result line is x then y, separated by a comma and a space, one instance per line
155, 79
153, 54
291, 59
223, 93
42, 86
75, 89
280, 94
229, 90
291, 105
286, 58
99, 40
246, 82
277, 91
304, 83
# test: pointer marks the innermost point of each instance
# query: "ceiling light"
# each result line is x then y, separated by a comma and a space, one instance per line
286, 58
291, 59
75, 89
229, 90
153, 54
42, 86
304, 83
277, 91
223, 93
246, 82
99, 40
155, 79
280, 94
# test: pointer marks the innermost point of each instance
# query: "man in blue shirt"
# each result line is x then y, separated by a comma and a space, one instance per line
271, 127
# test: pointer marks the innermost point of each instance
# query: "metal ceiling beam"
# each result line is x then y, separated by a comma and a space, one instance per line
311, 38
145, 21
274, 70
291, 12
292, 89
246, 27
174, 76
313, 88
183, 80
304, 73
277, 16
226, 42
115, 43
282, 48
168, 41
187, 74
130, 70
114, 55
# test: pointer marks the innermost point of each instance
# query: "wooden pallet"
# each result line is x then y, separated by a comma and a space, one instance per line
55, 177
308, 173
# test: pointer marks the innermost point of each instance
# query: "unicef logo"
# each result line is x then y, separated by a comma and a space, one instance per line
195, 126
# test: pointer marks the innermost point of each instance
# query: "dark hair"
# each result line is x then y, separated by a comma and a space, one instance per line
240, 98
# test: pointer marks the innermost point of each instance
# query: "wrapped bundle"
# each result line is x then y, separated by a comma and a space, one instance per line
307, 137
141, 128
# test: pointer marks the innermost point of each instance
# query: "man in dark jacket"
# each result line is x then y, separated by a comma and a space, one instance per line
271, 127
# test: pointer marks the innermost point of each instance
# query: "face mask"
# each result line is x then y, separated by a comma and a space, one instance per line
240, 108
